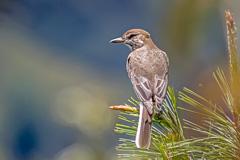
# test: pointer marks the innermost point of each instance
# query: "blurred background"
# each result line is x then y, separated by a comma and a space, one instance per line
59, 74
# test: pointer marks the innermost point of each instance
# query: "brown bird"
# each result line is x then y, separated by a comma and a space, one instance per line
147, 68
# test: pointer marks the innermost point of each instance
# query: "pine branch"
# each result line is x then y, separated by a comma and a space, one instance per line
166, 131
234, 66
221, 137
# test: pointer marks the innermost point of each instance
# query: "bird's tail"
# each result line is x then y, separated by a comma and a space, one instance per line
144, 130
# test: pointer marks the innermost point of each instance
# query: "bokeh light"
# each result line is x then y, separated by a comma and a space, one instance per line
75, 106
75, 151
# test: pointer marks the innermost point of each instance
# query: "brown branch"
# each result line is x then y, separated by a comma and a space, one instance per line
124, 108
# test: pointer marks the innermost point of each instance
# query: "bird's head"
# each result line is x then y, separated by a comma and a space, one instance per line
134, 38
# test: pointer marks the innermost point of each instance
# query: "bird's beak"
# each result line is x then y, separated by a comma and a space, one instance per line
117, 40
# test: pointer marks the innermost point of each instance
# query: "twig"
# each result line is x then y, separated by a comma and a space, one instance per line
124, 108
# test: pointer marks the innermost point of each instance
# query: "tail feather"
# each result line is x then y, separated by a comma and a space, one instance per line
144, 130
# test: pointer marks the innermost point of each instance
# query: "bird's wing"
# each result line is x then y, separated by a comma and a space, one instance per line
143, 91
141, 85
161, 84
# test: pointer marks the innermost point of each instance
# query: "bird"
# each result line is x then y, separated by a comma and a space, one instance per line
148, 70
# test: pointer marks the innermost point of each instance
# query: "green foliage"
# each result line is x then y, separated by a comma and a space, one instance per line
166, 132
220, 136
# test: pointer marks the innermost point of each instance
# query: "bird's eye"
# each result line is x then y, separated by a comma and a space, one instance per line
131, 36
